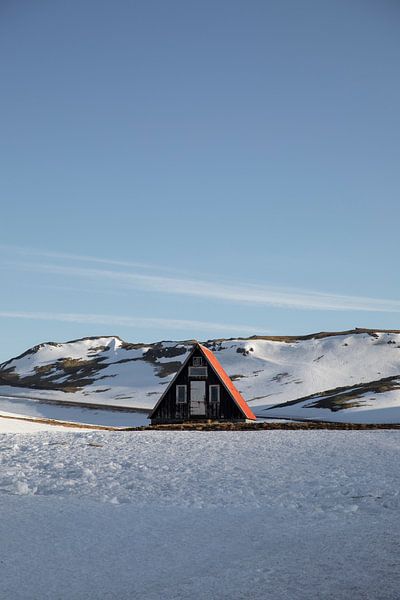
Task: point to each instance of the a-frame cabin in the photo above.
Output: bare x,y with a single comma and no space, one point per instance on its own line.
200,391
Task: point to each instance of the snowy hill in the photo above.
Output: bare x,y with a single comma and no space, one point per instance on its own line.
343,376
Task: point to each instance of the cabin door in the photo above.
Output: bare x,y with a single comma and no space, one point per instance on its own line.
198,398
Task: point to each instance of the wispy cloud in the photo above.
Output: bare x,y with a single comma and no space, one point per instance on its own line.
125,321
29,252
143,277
238,292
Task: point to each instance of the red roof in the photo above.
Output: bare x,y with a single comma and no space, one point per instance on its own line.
236,395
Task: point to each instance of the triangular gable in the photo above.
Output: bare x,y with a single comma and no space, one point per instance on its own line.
212,360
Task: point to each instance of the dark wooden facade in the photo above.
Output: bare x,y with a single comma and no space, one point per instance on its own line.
203,394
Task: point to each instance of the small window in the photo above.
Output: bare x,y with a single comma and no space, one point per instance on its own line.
198,372
197,361
214,393
181,394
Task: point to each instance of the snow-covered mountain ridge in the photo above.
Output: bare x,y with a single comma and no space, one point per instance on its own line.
337,376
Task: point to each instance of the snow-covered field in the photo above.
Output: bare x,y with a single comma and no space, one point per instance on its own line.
15,425
182,515
358,370
72,414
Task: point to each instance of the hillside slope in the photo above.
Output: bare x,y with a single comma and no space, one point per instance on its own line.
343,376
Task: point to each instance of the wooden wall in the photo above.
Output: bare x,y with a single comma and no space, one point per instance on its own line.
171,412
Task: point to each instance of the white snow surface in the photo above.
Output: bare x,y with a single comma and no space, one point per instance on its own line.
374,408
37,409
182,515
12,425
267,372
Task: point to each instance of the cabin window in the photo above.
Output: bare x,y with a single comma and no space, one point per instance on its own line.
181,394
197,371
197,361
214,393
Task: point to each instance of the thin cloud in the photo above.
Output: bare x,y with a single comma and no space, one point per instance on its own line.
124,321
238,292
23,251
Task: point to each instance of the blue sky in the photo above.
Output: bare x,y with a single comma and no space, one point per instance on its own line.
187,169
